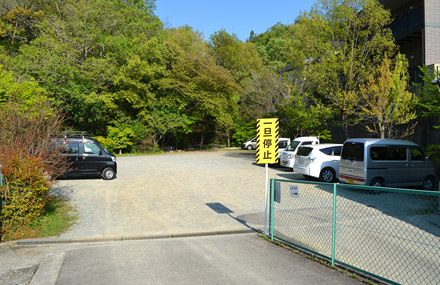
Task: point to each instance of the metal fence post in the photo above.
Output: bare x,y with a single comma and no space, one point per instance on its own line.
334,224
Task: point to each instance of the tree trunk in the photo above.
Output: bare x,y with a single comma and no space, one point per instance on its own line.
201,141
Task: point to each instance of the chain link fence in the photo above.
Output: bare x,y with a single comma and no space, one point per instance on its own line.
390,234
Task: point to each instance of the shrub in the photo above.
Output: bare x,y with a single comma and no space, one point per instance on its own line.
30,162
25,188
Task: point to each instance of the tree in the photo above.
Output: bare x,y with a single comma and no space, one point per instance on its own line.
344,40
200,89
273,46
386,102
239,58
429,103
81,47
304,115
19,23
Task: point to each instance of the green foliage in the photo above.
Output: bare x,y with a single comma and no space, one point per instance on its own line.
58,216
25,189
386,102
120,138
429,103
305,116
273,46
243,132
342,46
237,57
29,92
118,74
433,151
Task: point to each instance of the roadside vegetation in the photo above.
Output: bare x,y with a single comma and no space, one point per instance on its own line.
113,69
57,218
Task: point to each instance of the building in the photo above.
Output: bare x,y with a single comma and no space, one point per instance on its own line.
416,28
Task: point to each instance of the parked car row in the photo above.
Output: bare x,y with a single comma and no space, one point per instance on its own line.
372,162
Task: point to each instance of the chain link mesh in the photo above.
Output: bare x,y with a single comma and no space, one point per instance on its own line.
392,234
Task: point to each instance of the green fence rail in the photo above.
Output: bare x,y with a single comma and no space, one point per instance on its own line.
390,234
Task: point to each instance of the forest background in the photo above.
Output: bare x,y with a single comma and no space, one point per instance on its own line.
111,68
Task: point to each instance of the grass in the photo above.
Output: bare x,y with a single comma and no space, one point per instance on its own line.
58,217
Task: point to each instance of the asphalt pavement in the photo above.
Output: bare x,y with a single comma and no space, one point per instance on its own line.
212,239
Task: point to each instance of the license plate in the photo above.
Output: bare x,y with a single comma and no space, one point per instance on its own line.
350,180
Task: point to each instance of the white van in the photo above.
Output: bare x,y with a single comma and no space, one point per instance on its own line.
287,158
385,162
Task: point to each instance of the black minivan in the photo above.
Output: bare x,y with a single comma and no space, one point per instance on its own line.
87,156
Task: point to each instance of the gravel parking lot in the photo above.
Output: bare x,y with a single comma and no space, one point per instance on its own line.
183,192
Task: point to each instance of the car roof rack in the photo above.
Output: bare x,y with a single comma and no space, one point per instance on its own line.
73,134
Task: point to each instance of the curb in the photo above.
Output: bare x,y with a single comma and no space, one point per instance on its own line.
35,242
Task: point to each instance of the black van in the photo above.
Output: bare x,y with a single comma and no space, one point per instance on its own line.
87,156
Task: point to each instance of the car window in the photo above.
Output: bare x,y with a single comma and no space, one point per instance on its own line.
337,150
304,151
417,154
353,151
282,144
327,150
378,153
91,148
397,153
293,146
70,148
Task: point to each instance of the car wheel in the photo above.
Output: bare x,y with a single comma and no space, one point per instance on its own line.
377,182
249,147
327,175
108,173
428,183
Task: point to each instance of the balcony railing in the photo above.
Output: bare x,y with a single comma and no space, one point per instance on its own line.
408,23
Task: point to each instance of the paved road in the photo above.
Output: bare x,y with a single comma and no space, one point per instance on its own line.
173,213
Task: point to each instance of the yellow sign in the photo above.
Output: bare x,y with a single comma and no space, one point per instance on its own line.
267,140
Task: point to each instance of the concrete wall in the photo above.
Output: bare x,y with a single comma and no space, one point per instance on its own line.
432,32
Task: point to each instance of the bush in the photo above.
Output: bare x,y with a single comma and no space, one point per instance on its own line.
433,151
30,162
24,190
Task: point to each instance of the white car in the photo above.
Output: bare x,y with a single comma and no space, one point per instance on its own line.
319,161
287,158
250,144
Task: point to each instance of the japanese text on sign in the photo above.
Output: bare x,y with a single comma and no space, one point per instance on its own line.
267,140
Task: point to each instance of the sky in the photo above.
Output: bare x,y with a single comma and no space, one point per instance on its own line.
238,17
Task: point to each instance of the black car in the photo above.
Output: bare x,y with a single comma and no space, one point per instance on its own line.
87,156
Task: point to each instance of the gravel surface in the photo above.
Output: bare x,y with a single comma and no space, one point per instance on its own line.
183,192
